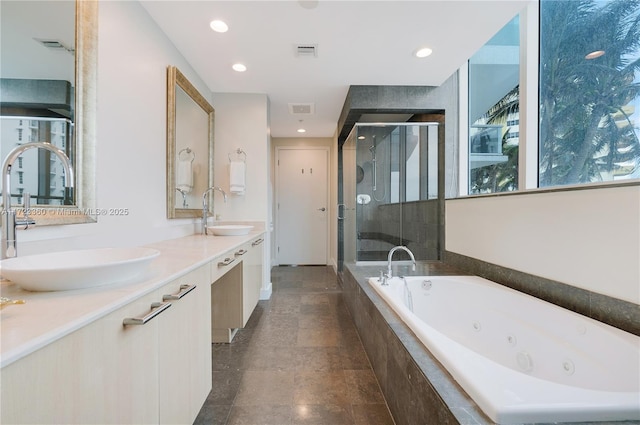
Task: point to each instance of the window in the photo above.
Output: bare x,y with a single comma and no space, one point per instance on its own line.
588,100
589,85
493,113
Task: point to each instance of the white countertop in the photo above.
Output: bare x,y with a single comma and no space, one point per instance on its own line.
48,316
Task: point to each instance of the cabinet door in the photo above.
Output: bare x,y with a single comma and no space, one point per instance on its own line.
252,278
226,301
103,373
185,347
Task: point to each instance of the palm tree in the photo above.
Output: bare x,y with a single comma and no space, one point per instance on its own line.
585,127
503,176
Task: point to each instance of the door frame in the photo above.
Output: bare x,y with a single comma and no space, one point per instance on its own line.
327,194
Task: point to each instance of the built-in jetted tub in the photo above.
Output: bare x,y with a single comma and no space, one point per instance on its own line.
519,358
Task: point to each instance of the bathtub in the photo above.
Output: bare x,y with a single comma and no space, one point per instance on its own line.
519,358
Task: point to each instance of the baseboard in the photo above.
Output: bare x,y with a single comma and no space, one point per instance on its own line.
265,293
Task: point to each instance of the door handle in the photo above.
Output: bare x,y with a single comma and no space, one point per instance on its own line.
184,290
322,209
156,308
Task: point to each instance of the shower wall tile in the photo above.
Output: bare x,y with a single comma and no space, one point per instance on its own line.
414,224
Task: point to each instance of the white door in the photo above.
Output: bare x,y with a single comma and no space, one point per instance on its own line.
302,205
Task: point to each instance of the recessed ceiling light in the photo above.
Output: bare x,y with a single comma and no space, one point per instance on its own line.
595,54
423,52
302,130
361,137
239,67
219,26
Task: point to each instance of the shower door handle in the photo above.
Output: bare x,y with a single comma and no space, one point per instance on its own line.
341,217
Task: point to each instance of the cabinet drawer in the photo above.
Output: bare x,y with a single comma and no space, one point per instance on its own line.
105,372
185,347
222,264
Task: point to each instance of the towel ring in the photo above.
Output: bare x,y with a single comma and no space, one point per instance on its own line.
186,154
239,152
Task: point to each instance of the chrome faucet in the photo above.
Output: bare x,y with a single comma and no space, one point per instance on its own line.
9,222
389,259
205,206
184,197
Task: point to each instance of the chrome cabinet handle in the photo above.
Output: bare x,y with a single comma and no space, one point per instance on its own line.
257,242
241,252
156,309
226,262
184,290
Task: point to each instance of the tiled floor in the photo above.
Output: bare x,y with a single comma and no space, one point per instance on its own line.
298,361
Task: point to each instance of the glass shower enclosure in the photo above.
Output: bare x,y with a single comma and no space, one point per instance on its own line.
391,193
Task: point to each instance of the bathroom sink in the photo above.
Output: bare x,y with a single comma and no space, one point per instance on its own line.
230,229
65,270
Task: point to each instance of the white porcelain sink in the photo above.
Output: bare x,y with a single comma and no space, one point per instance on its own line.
65,270
230,229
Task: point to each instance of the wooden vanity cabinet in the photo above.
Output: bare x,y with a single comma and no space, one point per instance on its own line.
111,373
235,293
251,277
185,347
104,372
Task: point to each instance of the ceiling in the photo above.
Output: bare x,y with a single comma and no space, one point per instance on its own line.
357,43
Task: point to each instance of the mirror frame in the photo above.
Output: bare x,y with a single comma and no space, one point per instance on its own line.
86,79
175,78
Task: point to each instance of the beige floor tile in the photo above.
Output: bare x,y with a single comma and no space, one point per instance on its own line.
318,358
318,337
362,387
322,414
264,415
320,387
265,387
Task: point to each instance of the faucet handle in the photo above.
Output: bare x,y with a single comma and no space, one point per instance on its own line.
26,221
26,202
382,279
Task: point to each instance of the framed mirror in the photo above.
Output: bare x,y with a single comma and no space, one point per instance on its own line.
49,76
190,119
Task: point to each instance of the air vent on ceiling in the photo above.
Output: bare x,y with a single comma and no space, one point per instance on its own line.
301,108
306,50
54,45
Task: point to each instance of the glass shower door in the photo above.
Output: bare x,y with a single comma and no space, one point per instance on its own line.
390,191
347,208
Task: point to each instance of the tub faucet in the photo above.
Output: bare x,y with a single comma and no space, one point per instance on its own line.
205,206
9,221
390,259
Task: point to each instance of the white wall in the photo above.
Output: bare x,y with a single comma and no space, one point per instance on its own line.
242,121
332,144
589,239
131,137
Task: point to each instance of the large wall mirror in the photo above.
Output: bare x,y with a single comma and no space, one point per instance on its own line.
189,146
48,77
